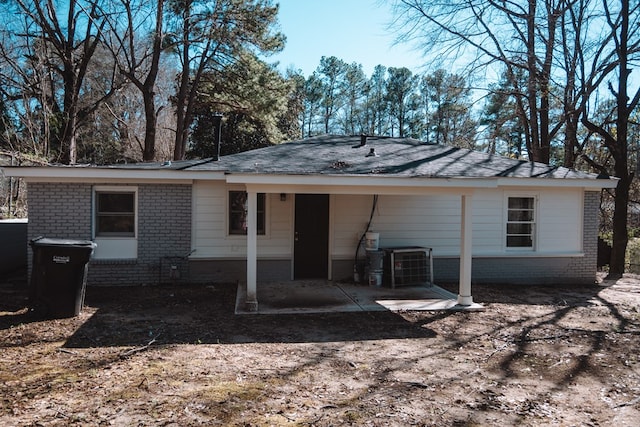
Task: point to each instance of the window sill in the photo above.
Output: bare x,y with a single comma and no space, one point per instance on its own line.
529,254
108,249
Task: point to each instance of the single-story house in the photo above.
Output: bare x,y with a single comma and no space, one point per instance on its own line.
299,209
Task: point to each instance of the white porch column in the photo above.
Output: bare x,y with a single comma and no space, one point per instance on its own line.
251,302
466,239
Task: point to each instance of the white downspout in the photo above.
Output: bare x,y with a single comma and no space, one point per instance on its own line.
251,302
466,239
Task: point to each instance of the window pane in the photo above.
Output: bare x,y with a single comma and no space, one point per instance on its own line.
115,202
520,202
120,225
523,216
518,228
238,213
261,202
519,241
520,220
115,214
237,223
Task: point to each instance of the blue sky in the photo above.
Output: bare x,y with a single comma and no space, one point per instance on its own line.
351,30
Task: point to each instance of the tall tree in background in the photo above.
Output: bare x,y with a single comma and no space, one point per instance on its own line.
138,59
331,73
313,94
504,132
611,65
26,86
292,121
71,33
401,85
450,118
520,36
353,90
209,36
574,28
252,96
378,100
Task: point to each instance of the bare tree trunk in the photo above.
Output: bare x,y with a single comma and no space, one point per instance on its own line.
620,233
183,88
73,43
70,114
616,139
147,88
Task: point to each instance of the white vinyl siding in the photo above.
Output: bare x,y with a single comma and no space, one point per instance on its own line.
488,227
430,220
210,218
349,217
434,221
559,223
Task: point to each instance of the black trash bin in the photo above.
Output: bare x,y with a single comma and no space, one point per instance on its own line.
59,276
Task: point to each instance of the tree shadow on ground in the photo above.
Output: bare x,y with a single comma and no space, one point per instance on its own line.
205,315
548,294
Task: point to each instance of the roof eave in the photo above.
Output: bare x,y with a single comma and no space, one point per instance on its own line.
360,180
590,183
84,174
426,182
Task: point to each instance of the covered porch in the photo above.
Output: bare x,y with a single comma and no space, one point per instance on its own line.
358,186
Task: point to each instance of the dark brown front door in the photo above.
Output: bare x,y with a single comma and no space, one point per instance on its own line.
311,239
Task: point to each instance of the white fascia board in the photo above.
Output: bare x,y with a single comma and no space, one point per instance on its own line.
591,184
360,185
398,190
360,181
396,185
72,174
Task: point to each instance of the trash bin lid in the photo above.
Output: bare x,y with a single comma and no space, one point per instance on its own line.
45,241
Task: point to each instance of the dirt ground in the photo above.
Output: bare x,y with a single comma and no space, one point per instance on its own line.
178,356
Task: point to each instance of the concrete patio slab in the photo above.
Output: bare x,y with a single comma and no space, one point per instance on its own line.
322,296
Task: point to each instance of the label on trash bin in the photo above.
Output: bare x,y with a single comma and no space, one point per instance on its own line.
58,259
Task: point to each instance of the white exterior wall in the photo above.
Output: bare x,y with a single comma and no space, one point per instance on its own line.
434,221
430,221
210,236
560,225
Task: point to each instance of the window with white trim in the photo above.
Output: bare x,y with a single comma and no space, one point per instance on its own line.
238,213
520,226
115,214
115,222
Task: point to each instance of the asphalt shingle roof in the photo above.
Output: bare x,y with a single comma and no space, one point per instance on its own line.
398,157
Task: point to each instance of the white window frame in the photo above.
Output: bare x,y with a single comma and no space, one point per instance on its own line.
115,247
534,222
228,215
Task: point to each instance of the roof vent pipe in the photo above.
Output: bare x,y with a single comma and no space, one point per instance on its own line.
372,153
217,123
363,140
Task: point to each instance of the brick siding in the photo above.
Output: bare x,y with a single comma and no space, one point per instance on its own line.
61,210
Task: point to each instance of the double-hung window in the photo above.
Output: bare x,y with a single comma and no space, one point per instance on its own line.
238,211
521,217
115,222
115,214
